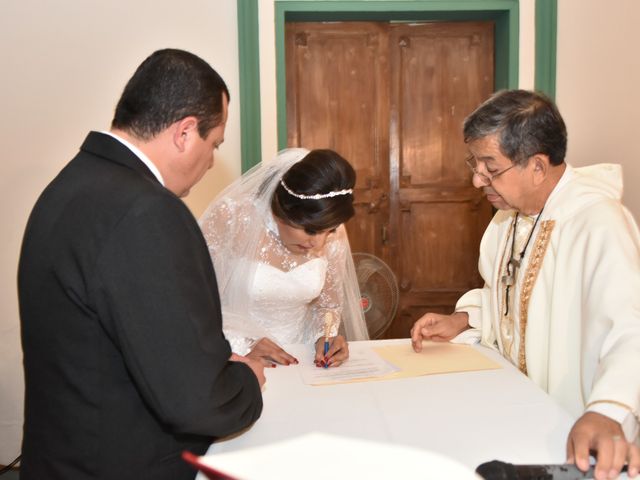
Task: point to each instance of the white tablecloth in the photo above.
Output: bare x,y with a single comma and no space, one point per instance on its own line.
472,417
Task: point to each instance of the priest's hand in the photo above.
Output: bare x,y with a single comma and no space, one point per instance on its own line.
439,328
602,436
267,351
255,366
337,354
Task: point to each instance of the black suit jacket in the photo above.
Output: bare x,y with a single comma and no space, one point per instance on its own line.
125,361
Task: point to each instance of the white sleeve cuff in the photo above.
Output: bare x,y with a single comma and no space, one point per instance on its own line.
241,345
623,416
468,337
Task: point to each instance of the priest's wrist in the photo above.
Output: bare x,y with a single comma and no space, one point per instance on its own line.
461,321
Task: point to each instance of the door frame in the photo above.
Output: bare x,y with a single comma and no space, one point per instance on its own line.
504,12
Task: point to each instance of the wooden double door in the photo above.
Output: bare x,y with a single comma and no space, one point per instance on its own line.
391,98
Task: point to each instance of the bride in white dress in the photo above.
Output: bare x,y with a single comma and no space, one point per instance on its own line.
282,257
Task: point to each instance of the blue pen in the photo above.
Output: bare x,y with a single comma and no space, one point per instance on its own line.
326,350
328,320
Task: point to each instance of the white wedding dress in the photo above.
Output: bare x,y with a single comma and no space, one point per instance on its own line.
280,300
278,294
265,289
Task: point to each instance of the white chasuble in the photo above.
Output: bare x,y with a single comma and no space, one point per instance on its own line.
577,321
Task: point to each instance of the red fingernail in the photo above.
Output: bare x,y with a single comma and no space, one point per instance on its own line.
273,365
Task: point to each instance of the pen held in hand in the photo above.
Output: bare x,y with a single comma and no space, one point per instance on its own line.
326,350
328,321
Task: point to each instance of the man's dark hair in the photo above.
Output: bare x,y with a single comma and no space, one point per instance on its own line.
320,171
526,122
167,87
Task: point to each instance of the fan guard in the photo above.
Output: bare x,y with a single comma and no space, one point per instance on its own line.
379,292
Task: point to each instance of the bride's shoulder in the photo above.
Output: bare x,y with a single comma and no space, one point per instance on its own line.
337,241
226,207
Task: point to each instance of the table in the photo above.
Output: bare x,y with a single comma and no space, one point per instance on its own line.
472,417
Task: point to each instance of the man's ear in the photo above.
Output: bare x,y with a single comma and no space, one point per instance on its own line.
540,167
183,132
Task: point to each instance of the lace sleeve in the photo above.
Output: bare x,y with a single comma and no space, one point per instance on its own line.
222,227
340,294
219,229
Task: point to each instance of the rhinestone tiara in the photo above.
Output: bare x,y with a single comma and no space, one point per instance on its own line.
317,196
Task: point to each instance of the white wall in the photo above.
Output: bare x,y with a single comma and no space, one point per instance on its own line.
64,65
527,53
598,86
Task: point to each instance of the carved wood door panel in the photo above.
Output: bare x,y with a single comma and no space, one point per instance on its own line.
391,99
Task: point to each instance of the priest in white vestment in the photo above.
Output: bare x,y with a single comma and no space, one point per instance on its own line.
561,265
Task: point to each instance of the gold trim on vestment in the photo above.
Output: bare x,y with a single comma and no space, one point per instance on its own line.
533,268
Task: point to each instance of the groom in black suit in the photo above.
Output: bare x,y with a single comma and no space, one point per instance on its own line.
125,362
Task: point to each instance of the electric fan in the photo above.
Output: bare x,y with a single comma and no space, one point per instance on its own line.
378,290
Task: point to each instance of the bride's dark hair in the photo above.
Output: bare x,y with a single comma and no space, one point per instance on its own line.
320,171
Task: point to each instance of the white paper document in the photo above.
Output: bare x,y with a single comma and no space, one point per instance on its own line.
362,363
302,457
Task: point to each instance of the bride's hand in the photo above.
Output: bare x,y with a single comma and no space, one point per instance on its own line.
268,352
337,354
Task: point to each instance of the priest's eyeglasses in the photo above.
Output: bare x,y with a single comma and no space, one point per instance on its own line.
485,178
